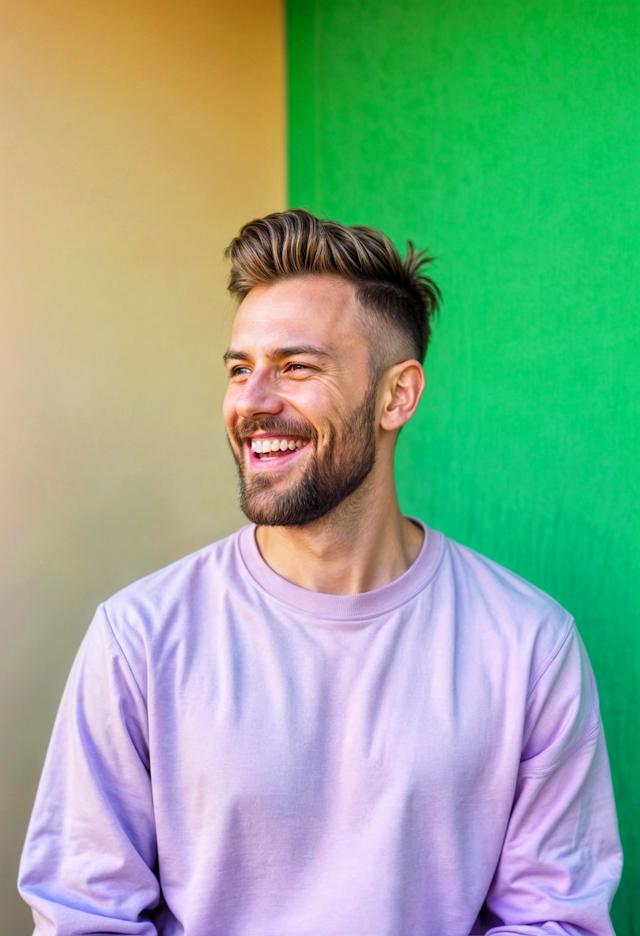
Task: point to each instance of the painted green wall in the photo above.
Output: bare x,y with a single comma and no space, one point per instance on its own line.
506,136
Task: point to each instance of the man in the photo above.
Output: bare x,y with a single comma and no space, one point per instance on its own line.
336,722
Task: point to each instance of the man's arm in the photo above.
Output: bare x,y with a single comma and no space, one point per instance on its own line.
561,859
87,865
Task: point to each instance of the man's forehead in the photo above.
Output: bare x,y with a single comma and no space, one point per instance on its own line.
315,311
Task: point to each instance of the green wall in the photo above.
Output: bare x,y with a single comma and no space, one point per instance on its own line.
506,137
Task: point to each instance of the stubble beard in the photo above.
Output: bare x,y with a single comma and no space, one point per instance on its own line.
329,479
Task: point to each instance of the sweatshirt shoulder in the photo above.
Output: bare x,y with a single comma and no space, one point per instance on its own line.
513,606
176,593
174,579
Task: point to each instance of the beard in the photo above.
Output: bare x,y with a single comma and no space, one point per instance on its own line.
330,478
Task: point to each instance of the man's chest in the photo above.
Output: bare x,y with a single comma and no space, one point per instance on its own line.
270,719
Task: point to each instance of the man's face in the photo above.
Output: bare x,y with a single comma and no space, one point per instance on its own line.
300,407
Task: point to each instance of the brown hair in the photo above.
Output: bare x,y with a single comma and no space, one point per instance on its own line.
296,243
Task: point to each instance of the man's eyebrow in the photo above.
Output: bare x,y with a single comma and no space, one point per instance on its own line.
233,355
237,355
301,349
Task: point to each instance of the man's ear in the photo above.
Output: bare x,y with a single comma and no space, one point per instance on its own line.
403,386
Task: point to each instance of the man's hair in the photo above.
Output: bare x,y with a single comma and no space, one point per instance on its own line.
296,243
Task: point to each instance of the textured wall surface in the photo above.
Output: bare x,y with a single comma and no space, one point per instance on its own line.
506,136
136,138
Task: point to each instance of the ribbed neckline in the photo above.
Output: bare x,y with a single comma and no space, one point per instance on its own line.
344,609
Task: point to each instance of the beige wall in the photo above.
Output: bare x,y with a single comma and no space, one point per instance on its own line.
137,137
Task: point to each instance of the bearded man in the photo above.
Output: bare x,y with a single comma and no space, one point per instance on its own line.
337,721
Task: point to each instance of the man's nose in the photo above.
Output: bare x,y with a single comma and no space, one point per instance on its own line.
258,397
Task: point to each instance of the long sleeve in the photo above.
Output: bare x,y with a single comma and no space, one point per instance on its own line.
561,859
230,761
88,861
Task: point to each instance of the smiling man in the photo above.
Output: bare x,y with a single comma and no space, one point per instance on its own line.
337,721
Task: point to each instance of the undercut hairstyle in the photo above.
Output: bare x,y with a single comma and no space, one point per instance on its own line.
392,292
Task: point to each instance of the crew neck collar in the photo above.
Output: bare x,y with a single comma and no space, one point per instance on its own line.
344,609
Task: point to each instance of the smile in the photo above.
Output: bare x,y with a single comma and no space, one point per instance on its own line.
275,447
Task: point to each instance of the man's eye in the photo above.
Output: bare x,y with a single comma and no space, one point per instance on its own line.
239,370
296,367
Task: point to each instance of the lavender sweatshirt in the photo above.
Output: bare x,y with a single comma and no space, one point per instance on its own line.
238,756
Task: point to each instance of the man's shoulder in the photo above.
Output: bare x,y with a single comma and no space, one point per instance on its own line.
505,601
476,570
177,590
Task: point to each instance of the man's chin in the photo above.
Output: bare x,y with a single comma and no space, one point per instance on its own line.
273,508
260,500
264,486
263,515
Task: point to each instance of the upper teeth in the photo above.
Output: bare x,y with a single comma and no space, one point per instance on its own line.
276,445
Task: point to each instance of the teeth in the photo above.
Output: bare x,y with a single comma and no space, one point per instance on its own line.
265,446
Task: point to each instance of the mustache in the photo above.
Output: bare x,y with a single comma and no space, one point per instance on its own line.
290,427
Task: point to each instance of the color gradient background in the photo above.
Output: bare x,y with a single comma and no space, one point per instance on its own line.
137,137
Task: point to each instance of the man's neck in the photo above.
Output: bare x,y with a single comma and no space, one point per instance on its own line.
358,547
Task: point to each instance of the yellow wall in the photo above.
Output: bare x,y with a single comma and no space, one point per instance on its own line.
137,137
